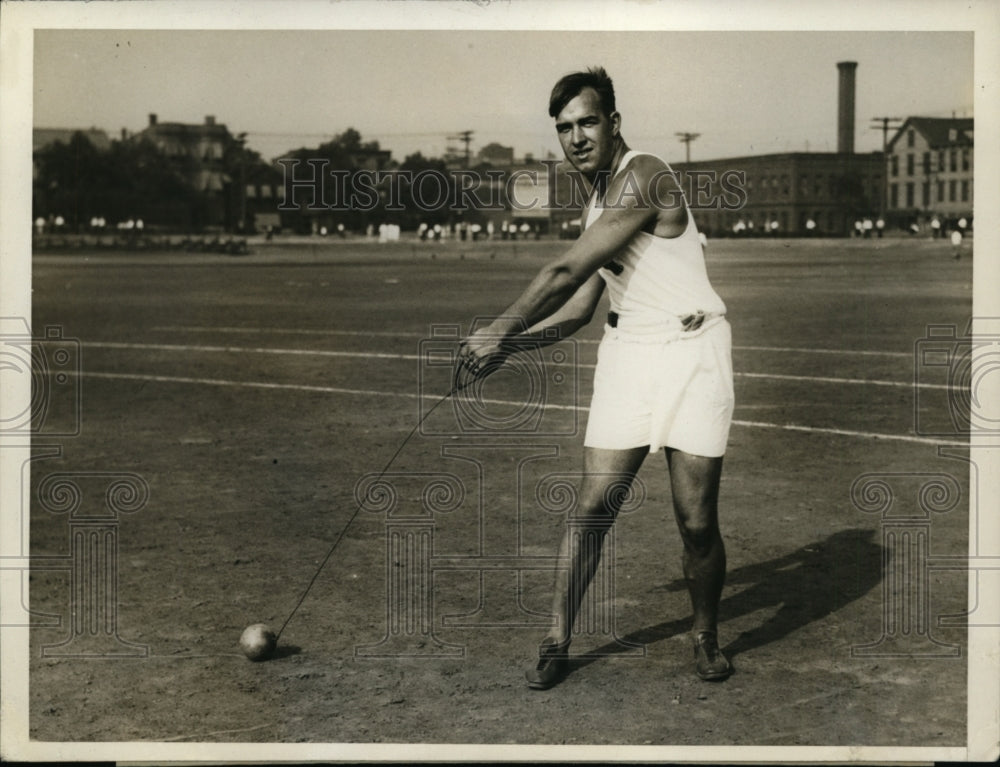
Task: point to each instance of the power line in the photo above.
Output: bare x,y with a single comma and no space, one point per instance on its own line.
298,134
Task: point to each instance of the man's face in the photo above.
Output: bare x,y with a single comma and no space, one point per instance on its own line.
587,135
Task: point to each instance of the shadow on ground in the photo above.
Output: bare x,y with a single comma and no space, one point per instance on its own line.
805,585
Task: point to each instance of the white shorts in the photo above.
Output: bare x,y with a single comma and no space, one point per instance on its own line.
674,391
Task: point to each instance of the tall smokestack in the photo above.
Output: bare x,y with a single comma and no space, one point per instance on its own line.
845,107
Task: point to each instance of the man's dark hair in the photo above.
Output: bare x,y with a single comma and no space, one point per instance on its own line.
569,87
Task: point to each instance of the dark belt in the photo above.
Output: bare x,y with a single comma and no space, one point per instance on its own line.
691,322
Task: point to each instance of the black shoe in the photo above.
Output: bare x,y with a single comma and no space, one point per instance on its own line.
553,661
710,664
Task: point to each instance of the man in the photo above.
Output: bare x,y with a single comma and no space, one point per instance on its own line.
664,372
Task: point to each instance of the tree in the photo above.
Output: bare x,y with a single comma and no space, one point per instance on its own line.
129,180
68,179
341,169
427,199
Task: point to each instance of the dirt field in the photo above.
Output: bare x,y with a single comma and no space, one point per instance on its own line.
251,394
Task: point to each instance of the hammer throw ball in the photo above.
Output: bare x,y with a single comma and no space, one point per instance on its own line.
258,642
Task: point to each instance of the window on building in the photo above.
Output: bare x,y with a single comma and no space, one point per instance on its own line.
951,190
785,188
925,194
940,191
965,191
953,160
909,137
927,163
893,195
940,166
965,159
909,165
909,195
894,165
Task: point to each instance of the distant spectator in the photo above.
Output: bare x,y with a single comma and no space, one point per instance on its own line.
956,244
879,227
935,227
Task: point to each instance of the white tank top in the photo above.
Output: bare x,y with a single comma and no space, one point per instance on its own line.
654,281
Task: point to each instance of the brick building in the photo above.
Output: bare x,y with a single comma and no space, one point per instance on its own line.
781,193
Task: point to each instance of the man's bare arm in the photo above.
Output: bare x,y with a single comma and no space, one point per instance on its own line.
633,204
632,207
569,318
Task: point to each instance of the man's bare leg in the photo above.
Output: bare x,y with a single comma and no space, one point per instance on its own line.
608,475
694,481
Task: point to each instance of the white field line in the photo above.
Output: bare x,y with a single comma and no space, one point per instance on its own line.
384,356
389,334
435,397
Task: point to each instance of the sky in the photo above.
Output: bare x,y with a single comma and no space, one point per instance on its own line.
743,92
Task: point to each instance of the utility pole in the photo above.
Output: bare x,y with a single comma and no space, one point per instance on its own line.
466,138
885,157
686,139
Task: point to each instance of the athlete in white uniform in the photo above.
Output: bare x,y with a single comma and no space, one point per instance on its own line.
664,377
664,373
